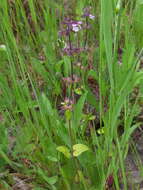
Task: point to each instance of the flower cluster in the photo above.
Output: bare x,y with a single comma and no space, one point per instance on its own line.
67,104
71,46
70,25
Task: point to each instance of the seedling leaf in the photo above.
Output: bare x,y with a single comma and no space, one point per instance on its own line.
64,150
79,149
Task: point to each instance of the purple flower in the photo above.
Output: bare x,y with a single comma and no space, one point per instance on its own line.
92,17
70,26
67,104
87,13
70,22
76,26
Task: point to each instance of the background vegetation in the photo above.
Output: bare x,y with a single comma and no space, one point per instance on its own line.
70,92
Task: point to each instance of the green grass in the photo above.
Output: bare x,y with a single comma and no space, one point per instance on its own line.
33,71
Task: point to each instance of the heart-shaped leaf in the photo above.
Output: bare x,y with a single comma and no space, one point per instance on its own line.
64,150
79,149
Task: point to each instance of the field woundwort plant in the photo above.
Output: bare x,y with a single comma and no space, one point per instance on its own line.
71,93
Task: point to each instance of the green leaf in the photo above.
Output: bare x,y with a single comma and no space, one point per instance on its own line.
4,156
52,180
78,110
127,135
106,21
91,99
79,149
78,91
29,148
64,150
68,114
101,131
140,2
47,105
92,117
53,159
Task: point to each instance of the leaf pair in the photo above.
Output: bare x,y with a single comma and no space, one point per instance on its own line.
77,150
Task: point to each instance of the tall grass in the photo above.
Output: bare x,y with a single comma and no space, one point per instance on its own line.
51,145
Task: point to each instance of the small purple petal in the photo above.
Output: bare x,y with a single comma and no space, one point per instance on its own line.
79,22
92,17
87,13
76,27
